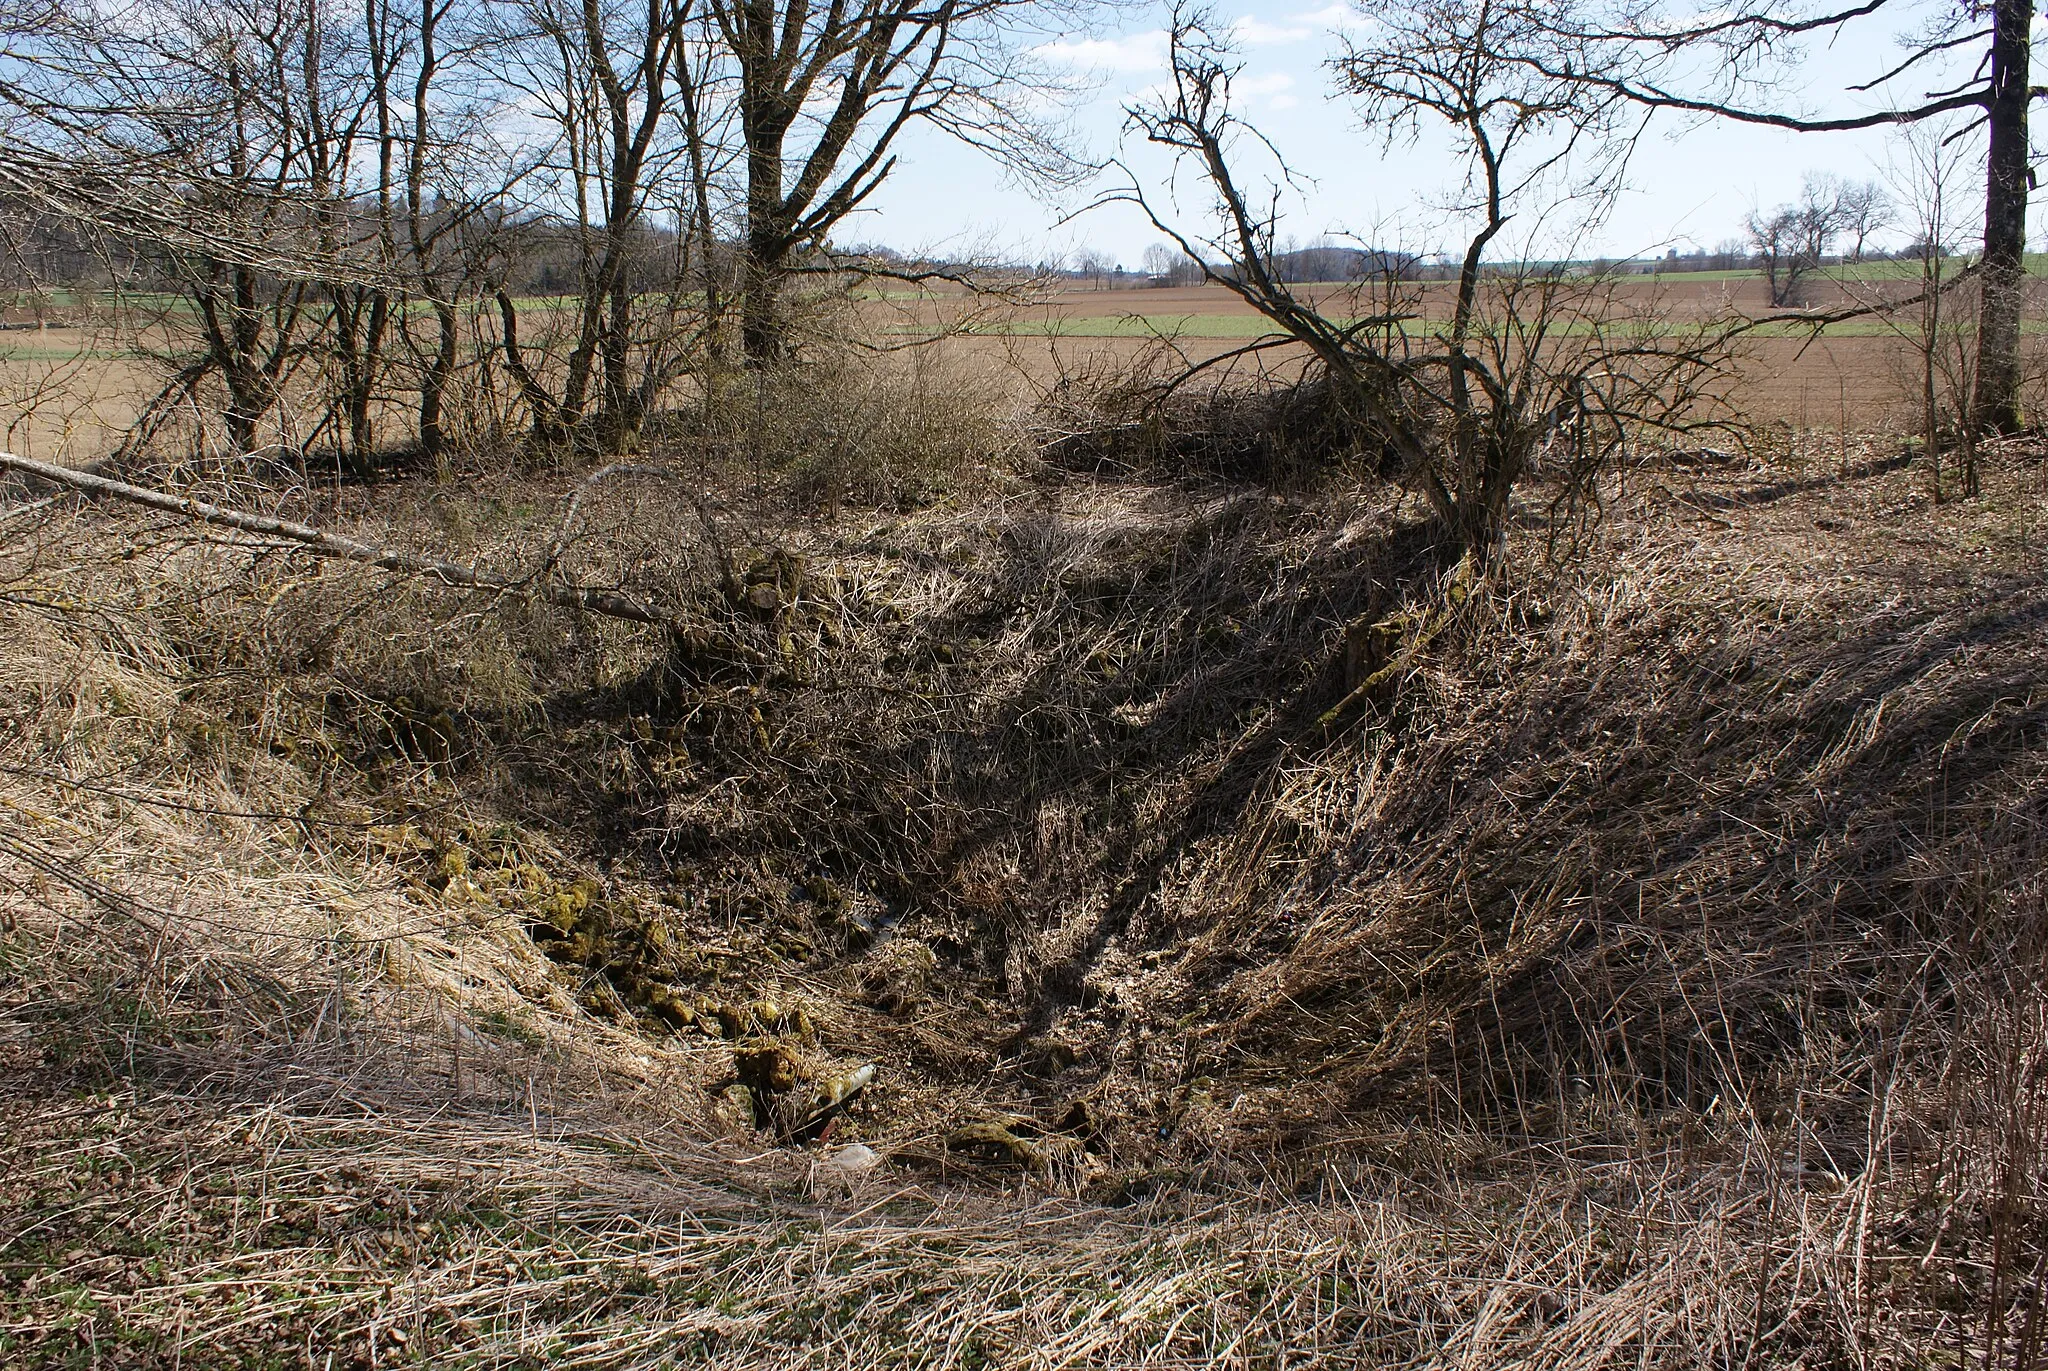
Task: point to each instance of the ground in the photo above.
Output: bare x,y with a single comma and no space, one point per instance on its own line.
377,955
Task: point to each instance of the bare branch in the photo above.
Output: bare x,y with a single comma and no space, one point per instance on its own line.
609,603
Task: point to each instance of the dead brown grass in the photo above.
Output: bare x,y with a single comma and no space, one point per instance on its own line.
1655,976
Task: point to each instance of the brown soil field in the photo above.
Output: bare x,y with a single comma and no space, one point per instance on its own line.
1860,377
68,393
63,403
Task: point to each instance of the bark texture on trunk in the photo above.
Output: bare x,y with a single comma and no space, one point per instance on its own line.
767,244
1996,406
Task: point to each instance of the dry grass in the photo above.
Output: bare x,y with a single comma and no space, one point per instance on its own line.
1655,977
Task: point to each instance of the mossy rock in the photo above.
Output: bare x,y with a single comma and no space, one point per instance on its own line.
828,895
672,1007
1046,1056
762,1018
766,1065
988,1140
773,583
392,839
734,1107
452,864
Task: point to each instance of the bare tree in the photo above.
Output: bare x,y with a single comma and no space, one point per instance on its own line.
1166,266
1930,177
1094,266
432,173
823,93
298,171
262,101
1793,242
436,109
1778,247
113,123
307,173
600,73
1863,209
1529,366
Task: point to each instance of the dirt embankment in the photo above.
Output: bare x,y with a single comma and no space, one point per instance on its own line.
1270,942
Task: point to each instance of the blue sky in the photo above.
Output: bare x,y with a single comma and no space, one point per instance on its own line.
1693,183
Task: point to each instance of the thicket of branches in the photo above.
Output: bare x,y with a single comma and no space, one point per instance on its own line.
531,217
1518,368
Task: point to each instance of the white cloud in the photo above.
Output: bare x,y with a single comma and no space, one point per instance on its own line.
1132,52
1339,16
1254,31
1265,83
1282,102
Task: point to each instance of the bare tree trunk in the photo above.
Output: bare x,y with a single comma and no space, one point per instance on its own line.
767,249
550,421
697,136
236,343
425,232
365,311
1996,408
434,381
361,318
856,72
1930,284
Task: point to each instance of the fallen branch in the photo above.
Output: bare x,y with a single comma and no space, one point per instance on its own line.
605,602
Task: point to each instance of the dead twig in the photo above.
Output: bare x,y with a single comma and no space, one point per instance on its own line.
597,601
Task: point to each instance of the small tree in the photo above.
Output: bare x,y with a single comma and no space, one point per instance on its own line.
1933,185
1865,210
1776,246
1793,241
1531,366
1166,267
1094,266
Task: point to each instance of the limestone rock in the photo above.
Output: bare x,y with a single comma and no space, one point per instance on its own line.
846,1166
993,1141
831,1098
733,1108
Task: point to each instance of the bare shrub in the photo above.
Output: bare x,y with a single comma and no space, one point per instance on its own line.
1228,428
873,428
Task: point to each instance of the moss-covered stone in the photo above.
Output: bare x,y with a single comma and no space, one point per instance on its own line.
988,1140
765,1065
